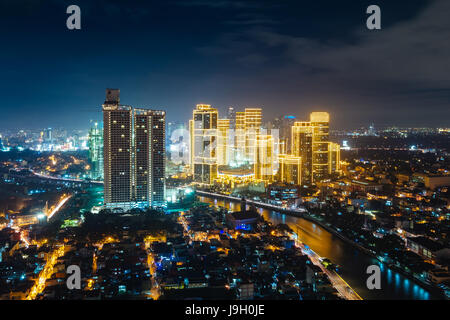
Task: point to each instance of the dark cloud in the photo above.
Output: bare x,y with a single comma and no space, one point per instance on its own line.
289,57
404,66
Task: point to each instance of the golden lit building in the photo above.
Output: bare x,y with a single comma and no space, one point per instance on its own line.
239,138
223,143
290,169
253,119
334,157
310,141
320,124
264,158
301,146
203,144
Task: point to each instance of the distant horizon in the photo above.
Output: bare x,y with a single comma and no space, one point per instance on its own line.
287,57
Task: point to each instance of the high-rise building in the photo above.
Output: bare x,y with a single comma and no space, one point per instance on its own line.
310,141
231,115
134,154
223,142
253,119
95,142
149,154
48,136
117,151
301,146
334,157
203,130
285,130
239,138
264,157
290,169
320,123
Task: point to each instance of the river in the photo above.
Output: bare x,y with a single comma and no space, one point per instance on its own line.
353,262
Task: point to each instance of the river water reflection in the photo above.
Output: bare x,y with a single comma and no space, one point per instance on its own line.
353,262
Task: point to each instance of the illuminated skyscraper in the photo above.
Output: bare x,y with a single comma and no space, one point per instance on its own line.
134,154
203,147
285,130
95,142
264,158
253,119
320,122
117,151
302,147
334,157
149,156
290,169
310,141
239,136
232,117
223,143
48,136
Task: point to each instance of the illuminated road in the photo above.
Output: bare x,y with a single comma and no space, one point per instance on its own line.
23,237
46,273
45,176
339,284
155,292
58,206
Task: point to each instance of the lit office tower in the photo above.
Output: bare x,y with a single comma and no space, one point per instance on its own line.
203,148
301,146
264,158
223,144
320,122
149,156
334,157
290,169
253,119
95,142
310,141
285,130
232,117
239,134
134,153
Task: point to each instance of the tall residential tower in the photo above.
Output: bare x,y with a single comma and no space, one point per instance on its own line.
134,154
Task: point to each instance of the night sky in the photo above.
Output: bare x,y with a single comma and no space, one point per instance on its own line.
288,57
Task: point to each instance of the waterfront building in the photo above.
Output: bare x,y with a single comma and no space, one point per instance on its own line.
290,169
310,141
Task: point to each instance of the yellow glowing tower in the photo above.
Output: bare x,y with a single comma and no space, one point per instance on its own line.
204,143
320,123
290,169
264,158
253,119
223,145
310,141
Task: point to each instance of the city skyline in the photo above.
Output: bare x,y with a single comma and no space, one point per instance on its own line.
288,58
242,152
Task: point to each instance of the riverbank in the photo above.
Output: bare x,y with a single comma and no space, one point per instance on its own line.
370,253
344,252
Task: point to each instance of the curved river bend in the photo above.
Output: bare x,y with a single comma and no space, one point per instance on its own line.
394,286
